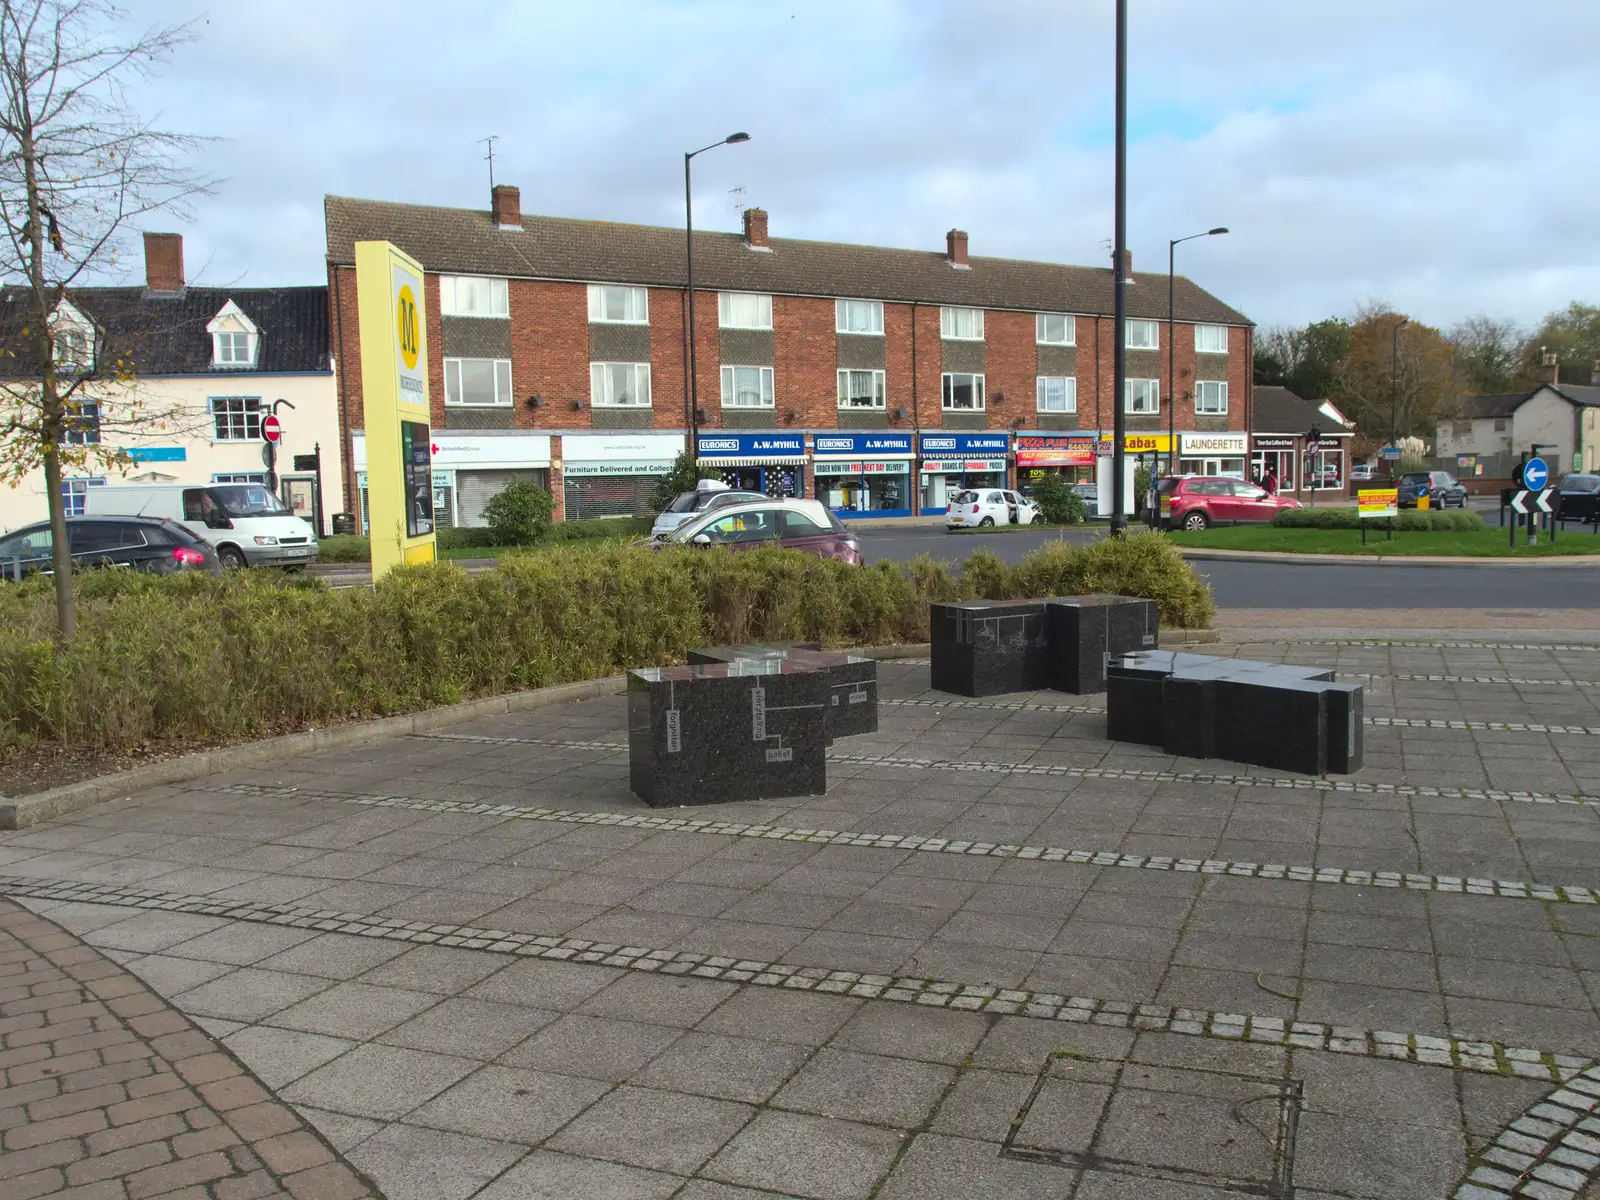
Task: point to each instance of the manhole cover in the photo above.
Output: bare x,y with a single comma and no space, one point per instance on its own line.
1213,1129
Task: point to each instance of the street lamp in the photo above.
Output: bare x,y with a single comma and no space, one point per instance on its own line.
1172,375
688,224
1119,280
1394,380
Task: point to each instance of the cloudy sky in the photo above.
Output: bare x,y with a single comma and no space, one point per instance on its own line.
1437,154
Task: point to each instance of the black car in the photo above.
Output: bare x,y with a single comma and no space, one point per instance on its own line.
150,544
1440,487
1579,497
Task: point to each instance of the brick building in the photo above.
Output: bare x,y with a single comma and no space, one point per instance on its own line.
879,380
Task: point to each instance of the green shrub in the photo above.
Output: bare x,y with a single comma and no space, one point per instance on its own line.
1058,503
1138,564
344,548
519,513
1409,521
599,527
463,537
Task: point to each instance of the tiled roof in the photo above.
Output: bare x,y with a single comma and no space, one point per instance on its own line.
1583,394
466,241
1278,410
166,335
1498,404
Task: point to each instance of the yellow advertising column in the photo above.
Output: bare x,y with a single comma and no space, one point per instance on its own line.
394,386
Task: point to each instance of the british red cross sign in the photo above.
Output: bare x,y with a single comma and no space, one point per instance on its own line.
271,428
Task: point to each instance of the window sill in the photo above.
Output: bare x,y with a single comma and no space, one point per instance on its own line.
612,407
945,337
593,321
479,316
751,407
1056,412
1141,347
1058,345
1223,352
861,408
473,404
964,410
748,328
859,332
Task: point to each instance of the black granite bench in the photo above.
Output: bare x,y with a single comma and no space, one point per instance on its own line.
1275,715
991,647
713,733
852,679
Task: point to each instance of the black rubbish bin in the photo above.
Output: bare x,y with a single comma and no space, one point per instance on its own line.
344,523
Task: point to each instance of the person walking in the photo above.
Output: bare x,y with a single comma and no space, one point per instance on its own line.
1270,482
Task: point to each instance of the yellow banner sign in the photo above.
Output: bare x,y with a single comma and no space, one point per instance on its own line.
1378,502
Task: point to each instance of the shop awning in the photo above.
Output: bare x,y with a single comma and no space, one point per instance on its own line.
713,460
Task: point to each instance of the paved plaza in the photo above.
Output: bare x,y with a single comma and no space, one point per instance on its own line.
1002,957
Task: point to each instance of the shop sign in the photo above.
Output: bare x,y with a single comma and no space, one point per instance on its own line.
964,443
508,451
152,454
1055,451
578,470
862,443
1272,442
839,467
620,448
1141,443
751,445
442,479
954,466
1213,443
1378,502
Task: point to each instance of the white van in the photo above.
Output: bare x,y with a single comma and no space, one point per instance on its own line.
247,524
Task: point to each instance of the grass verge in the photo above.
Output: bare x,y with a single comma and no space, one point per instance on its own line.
1489,542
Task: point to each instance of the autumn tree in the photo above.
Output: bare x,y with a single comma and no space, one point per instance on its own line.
78,167
1572,334
1398,396
1306,359
1489,353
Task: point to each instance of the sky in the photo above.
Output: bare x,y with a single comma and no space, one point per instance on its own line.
1436,155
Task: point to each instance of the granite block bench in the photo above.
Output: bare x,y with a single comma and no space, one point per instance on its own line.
852,679
992,647
712,733
1275,715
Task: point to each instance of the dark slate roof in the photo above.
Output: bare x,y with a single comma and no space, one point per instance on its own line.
465,240
1498,404
1278,410
1586,395
166,335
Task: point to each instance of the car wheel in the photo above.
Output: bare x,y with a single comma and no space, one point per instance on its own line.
1196,521
987,521
232,558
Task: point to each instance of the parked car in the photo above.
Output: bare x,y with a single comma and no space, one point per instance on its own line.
989,506
806,525
246,522
1362,472
708,493
1579,497
1323,477
1194,502
1441,488
1090,494
157,547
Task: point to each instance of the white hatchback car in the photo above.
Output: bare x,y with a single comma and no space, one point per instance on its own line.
989,506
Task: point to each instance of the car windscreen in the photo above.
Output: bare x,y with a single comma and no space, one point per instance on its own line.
248,500
1165,487
1414,477
1581,484
684,503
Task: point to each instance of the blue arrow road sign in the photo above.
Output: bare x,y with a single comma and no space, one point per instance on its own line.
1535,474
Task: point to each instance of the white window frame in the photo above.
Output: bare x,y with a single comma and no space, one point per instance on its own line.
73,348
1070,329
879,388
725,314
1153,328
602,394
637,305
1069,393
1150,388
874,311
945,391
1216,404
230,322
950,320
249,408
502,383
497,293
1216,335
767,387
239,477
226,347
75,492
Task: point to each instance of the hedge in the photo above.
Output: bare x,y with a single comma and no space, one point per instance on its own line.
200,657
1409,520
355,548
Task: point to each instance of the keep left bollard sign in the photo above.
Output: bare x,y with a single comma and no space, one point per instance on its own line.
394,383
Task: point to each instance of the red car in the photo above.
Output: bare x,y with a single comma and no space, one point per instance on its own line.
1196,501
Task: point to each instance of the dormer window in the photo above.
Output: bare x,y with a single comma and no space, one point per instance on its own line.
73,338
235,339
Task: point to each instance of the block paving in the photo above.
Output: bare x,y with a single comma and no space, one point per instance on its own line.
1000,957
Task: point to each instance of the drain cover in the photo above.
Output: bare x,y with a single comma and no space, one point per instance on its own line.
1209,1129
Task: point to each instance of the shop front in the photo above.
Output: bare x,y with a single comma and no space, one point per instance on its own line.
1272,456
953,462
864,474
1213,454
614,475
772,463
469,470
1069,456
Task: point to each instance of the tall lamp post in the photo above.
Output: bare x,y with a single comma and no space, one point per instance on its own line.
688,250
1119,282
1172,314
1394,380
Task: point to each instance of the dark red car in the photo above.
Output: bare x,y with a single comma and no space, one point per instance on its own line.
1197,501
806,525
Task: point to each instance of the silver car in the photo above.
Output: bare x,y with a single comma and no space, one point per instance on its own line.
691,504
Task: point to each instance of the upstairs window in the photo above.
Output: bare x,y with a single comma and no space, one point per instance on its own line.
232,350
235,338
744,310
1055,329
963,392
747,387
1211,396
619,385
236,418
1211,339
1143,395
83,423
1056,393
615,304
72,349
961,324
861,389
1144,335
473,296
470,381
858,316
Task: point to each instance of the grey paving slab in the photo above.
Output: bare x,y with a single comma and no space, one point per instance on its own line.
814,1157
411,1163
547,1176
656,1130
379,1082
510,1105
594,1047
468,1028
866,1087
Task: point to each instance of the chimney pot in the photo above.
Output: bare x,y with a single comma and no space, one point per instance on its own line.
505,206
1549,369
163,263
955,248
755,228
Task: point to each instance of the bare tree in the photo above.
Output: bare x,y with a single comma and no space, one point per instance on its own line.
1488,353
77,167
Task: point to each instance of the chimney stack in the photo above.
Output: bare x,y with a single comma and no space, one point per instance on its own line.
505,206
755,228
955,249
1549,368
1127,264
163,263
1594,375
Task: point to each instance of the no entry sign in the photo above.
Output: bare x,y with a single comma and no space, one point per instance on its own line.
271,428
